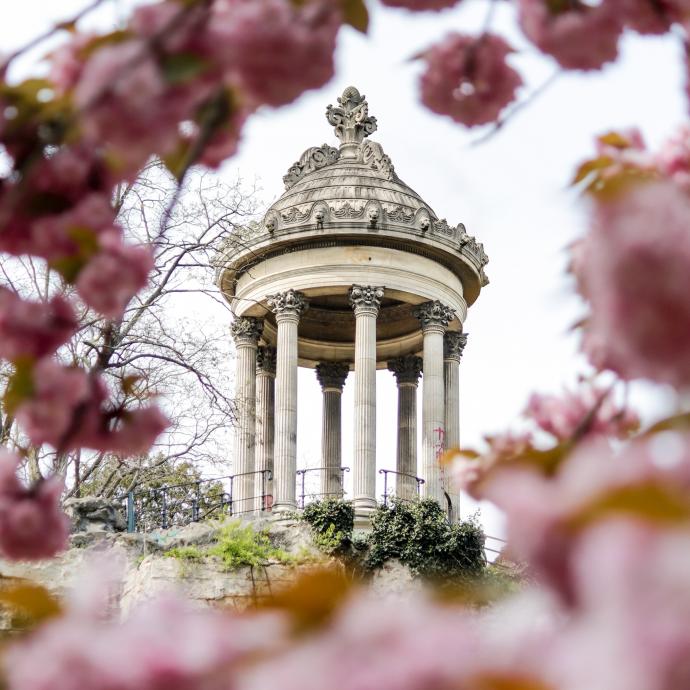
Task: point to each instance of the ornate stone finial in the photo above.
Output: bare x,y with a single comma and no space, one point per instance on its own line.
366,298
351,120
246,330
453,345
288,303
266,360
434,314
406,369
312,159
332,374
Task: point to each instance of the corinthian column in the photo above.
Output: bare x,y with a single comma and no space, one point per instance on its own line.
245,332
453,345
331,376
366,302
434,318
407,371
287,306
265,408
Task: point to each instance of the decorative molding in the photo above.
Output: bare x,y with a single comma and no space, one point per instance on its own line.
288,303
295,215
246,330
312,159
266,360
332,374
453,345
434,315
406,369
372,154
366,298
351,118
399,214
347,210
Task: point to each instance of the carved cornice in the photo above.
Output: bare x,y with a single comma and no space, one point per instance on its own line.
266,360
246,330
453,345
288,303
351,118
406,369
434,315
366,298
332,374
312,159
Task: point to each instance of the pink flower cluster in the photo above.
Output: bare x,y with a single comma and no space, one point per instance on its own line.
31,523
469,79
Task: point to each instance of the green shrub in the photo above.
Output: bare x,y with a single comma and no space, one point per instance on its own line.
238,546
331,522
185,553
418,534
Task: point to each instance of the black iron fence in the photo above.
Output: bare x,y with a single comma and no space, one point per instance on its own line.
180,504
312,496
389,490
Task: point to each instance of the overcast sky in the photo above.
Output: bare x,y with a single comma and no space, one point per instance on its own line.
511,192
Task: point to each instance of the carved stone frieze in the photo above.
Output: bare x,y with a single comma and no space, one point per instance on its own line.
441,227
266,359
332,374
371,153
453,345
398,214
347,210
312,159
366,298
406,369
295,215
351,118
288,303
246,330
434,314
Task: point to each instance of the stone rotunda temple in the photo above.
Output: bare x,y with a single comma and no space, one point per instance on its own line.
350,270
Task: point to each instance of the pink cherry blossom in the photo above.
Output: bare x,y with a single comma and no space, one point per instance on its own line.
589,410
637,259
273,49
136,433
467,78
420,5
673,159
67,61
653,16
165,645
32,526
33,329
577,35
113,276
46,416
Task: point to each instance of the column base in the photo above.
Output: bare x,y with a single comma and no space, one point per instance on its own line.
364,509
280,509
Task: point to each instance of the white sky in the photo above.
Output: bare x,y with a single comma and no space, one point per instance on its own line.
511,192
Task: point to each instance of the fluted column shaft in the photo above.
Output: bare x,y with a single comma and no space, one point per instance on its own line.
366,302
265,424
331,376
453,345
434,318
407,371
287,307
245,332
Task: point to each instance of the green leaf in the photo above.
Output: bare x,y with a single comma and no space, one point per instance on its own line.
355,14
87,245
180,68
679,422
20,385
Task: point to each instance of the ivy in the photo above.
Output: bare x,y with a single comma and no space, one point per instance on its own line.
331,522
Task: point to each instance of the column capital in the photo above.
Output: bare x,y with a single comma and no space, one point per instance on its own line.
246,330
453,345
332,374
406,369
434,315
288,304
266,360
366,299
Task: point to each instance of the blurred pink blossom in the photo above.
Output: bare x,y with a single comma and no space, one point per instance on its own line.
113,276
273,49
578,35
673,159
653,16
633,269
468,78
420,5
135,434
32,526
33,329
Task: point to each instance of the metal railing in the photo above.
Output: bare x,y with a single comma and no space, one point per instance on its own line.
301,481
493,547
389,494
166,506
